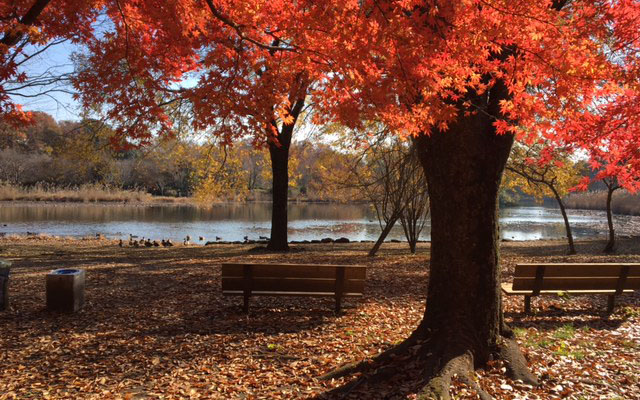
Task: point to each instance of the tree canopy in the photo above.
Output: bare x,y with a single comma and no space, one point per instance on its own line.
571,67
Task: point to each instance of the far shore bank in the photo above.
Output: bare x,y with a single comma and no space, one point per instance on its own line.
96,193
622,203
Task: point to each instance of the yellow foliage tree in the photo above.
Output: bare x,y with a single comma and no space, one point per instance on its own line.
548,174
219,174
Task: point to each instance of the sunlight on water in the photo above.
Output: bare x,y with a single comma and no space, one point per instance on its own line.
235,221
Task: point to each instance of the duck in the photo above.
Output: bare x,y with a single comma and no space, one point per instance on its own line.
120,243
148,243
201,238
246,238
264,238
218,238
136,244
156,244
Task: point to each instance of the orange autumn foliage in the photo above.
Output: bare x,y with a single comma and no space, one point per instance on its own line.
572,74
566,65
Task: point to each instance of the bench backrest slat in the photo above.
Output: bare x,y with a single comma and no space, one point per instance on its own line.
293,278
569,270
294,271
577,277
576,283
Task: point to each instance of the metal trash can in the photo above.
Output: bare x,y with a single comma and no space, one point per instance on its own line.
65,290
5,267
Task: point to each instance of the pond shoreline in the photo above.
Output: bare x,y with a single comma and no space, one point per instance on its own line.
237,223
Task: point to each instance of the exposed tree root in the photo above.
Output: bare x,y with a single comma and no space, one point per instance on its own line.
368,365
436,363
516,363
437,388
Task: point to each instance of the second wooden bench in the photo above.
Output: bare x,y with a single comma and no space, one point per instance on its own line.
251,279
589,278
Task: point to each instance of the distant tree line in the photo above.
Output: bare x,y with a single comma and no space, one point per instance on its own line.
74,153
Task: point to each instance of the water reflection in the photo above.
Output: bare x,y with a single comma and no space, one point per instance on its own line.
234,221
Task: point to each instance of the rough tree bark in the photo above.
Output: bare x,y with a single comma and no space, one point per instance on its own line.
462,327
279,152
463,166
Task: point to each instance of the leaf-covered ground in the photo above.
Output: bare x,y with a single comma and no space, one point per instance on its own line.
155,325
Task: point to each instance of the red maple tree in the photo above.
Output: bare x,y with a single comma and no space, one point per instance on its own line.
28,28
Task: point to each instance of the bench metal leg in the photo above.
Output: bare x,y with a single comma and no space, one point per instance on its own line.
527,304
611,303
245,306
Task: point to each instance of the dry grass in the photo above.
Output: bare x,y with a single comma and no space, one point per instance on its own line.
155,324
622,203
82,194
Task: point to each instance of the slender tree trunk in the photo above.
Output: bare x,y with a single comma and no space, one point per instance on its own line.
611,244
280,188
382,237
409,221
279,152
567,227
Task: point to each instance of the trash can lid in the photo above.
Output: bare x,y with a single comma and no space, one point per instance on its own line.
65,271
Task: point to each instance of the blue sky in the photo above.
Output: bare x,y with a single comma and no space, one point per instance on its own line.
54,60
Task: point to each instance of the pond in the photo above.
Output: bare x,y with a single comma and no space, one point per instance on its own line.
234,221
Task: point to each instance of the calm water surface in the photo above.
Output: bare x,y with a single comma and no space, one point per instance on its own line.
234,221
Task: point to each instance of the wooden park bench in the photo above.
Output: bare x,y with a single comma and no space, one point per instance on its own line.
573,278
336,281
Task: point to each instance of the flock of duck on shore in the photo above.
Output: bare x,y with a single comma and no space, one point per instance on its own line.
134,241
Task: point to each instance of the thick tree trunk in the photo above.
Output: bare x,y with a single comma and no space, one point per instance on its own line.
567,227
611,244
462,327
464,168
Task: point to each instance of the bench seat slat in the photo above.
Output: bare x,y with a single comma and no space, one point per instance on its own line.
507,288
575,283
577,269
281,293
294,270
292,284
